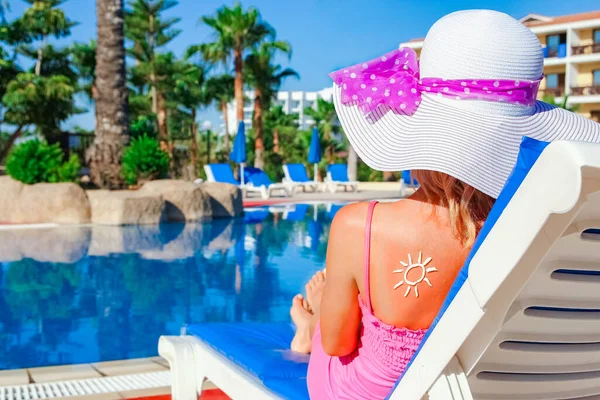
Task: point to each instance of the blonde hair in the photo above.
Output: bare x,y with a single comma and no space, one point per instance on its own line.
467,207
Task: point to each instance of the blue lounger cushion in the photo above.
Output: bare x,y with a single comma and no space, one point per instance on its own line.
263,349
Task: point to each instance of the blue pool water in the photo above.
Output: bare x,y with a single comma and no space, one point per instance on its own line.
98,293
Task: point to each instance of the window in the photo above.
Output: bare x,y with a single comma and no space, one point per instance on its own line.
555,81
596,35
556,45
596,74
552,81
553,41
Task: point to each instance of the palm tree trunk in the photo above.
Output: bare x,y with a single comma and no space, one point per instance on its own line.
276,141
352,163
163,129
112,107
11,140
257,124
38,64
194,140
388,176
226,122
238,84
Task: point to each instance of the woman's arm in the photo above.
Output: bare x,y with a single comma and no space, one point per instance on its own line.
340,312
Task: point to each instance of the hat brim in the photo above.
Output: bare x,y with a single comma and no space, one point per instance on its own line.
480,150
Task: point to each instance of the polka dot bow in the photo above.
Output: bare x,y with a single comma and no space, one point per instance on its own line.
393,80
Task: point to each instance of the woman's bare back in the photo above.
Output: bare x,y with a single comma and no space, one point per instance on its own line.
414,260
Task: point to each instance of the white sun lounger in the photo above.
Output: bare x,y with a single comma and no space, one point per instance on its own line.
522,320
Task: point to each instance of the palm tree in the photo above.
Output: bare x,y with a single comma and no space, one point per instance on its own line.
112,114
42,19
278,122
220,89
236,31
189,93
149,31
266,79
326,120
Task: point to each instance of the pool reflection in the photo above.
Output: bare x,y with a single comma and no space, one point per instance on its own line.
86,294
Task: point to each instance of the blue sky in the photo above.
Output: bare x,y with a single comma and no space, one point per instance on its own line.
325,34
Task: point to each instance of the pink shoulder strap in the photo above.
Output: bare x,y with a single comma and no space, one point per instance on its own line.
368,255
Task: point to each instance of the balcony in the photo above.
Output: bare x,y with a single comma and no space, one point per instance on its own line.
585,91
587,49
556,52
554,92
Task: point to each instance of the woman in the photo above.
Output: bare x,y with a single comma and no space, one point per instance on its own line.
457,120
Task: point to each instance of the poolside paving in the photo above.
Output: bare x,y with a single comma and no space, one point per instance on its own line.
14,377
126,367
96,370
63,373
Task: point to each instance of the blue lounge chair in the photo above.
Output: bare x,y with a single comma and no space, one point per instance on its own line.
257,178
519,322
223,173
337,175
296,174
407,180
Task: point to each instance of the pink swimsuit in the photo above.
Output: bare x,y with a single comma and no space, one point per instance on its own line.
371,371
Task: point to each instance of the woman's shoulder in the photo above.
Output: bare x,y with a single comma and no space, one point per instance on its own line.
351,218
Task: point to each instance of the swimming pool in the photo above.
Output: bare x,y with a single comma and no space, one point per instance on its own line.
98,293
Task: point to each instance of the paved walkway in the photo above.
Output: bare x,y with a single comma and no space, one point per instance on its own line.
55,374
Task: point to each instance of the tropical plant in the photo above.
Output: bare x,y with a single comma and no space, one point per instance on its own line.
56,61
148,30
326,120
4,6
42,19
220,89
189,93
112,115
35,161
235,32
144,160
277,124
266,78
143,125
550,99
84,59
41,101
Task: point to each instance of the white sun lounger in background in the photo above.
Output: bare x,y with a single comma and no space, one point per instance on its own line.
522,320
296,174
337,175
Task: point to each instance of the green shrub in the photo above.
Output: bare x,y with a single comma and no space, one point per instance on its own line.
35,161
144,160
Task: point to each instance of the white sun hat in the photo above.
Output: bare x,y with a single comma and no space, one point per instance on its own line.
474,139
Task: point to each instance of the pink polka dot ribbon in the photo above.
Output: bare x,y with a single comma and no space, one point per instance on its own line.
393,80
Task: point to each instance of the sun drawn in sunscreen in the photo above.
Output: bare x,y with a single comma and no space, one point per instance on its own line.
420,271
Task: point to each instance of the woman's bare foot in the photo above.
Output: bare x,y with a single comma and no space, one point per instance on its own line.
314,291
302,342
